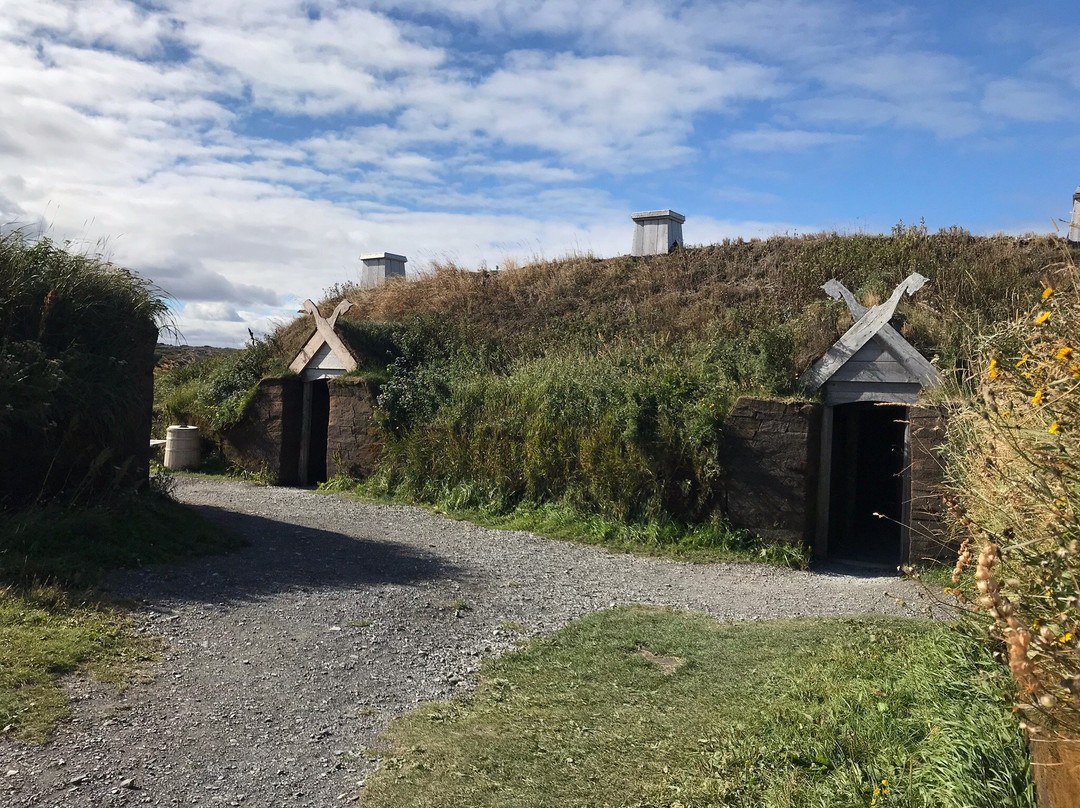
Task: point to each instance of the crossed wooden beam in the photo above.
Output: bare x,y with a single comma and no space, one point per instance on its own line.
869,323
324,333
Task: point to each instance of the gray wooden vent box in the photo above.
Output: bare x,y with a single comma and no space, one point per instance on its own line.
1074,227
378,267
656,232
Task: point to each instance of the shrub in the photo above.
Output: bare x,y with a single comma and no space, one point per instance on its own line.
1015,465
212,393
76,337
630,433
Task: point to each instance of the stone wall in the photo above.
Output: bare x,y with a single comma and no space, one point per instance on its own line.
267,439
352,444
929,538
771,466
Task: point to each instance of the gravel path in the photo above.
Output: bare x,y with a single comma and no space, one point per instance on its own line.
286,660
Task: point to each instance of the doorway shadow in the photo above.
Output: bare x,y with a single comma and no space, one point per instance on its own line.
836,568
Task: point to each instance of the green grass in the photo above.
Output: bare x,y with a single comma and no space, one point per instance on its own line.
52,621
43,637
648,707
75,547
709,542
662,537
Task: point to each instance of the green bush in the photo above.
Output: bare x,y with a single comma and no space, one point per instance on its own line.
74,333
212,393
631,433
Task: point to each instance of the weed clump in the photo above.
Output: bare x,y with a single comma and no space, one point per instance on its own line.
1015,465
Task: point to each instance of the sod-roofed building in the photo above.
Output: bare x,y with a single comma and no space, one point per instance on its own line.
315,422
854,475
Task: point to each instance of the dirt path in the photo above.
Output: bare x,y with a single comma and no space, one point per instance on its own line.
286,660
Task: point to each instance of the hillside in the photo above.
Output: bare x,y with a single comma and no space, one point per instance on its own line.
723,289
595,391
170,357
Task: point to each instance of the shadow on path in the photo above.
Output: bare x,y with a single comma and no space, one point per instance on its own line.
854,569
282,557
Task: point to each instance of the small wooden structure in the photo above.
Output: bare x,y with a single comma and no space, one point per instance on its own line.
378,267
323,357
870,381
657,232
1074,225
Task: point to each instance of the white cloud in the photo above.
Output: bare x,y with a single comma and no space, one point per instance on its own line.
1027,100
304,58
603,111
244,154
212,311
767,139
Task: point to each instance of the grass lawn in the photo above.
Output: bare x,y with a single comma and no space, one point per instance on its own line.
53,623
44,635
648,707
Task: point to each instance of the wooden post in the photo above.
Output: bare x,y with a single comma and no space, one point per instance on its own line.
305,436
905,503
821,534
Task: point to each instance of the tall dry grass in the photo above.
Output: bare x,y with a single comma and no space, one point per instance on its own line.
725,288
1015,467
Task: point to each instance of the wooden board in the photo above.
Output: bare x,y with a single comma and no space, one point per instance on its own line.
887,393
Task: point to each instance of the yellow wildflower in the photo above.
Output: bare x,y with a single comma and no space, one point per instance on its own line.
1042,318
1064,352
992,369
884,782
1038,397
877,791
1054,428
1047,292
1023,359
1064,638
873,801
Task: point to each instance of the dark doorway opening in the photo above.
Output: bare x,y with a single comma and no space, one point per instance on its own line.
318,425
866,502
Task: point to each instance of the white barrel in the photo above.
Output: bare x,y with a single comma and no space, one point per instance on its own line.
181,447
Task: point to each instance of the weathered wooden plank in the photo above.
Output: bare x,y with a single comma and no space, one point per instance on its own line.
905,353
306,353
855,339
844,348
888,393
657,232
305,436
821,534
878,372
323,364
871,351
865,328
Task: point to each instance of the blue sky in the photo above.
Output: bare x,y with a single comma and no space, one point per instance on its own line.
243,154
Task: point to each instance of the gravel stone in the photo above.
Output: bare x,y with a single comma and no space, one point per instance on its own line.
286,660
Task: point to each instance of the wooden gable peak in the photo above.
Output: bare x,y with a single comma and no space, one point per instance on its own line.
873,324
324,346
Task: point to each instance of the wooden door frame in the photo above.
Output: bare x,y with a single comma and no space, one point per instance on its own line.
820,548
